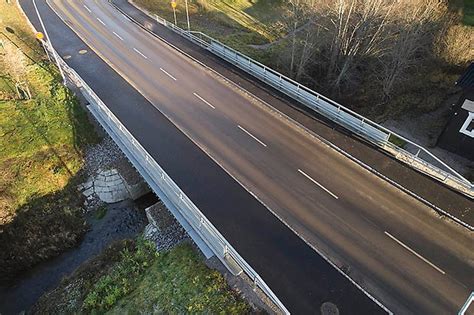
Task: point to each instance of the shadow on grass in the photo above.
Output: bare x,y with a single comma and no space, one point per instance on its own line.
42,228
82,130
81,281
55,132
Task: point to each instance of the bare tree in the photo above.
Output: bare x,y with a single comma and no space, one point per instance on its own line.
413,33
307,51
369,48
357,32
297,17
15,65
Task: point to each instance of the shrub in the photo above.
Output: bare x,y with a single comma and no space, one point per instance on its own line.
123,277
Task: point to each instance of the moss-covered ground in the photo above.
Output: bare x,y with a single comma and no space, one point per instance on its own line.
42,140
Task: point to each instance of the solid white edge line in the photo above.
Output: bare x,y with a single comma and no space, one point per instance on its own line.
102,22
140,53
415,253
217,162
87,8
251,135
314,135
166,72
117,35
206,102
319,185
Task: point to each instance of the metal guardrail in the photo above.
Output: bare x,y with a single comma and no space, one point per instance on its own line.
407,151
164,185
467,304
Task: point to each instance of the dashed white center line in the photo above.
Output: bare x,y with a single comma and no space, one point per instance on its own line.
415,253
319,185
87,8
165,72
102,22
251,135
206,102
118,36
140,53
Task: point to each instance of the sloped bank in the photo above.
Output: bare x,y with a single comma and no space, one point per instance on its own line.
161,272
103,224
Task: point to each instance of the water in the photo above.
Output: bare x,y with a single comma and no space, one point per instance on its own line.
123,220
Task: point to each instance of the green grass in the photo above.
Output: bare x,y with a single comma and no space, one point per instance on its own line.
68,296
468,17
179,283
100,212
237,23
130,277
41,141
41,145
122,279
397,141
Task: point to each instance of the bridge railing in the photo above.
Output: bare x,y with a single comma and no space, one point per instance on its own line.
396,145
165,187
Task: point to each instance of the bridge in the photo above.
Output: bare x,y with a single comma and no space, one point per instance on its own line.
252,185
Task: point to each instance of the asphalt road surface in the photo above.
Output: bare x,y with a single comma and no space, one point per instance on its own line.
393,245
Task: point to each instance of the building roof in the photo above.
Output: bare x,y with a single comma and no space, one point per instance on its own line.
468,105
467,78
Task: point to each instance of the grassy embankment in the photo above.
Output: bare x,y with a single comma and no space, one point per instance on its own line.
468,17
236,23
130,277
41,144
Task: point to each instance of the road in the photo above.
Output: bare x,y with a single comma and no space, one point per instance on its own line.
391,244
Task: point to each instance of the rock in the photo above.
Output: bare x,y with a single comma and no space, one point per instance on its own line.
163,229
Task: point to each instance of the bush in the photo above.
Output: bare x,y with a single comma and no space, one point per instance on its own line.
455,45
123,277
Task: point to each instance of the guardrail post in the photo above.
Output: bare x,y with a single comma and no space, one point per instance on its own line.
205,229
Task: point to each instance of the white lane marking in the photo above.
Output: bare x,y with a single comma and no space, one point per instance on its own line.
414,253
206,102
118,35
100,21
140,53
87,8
251,135
319,185
165,72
